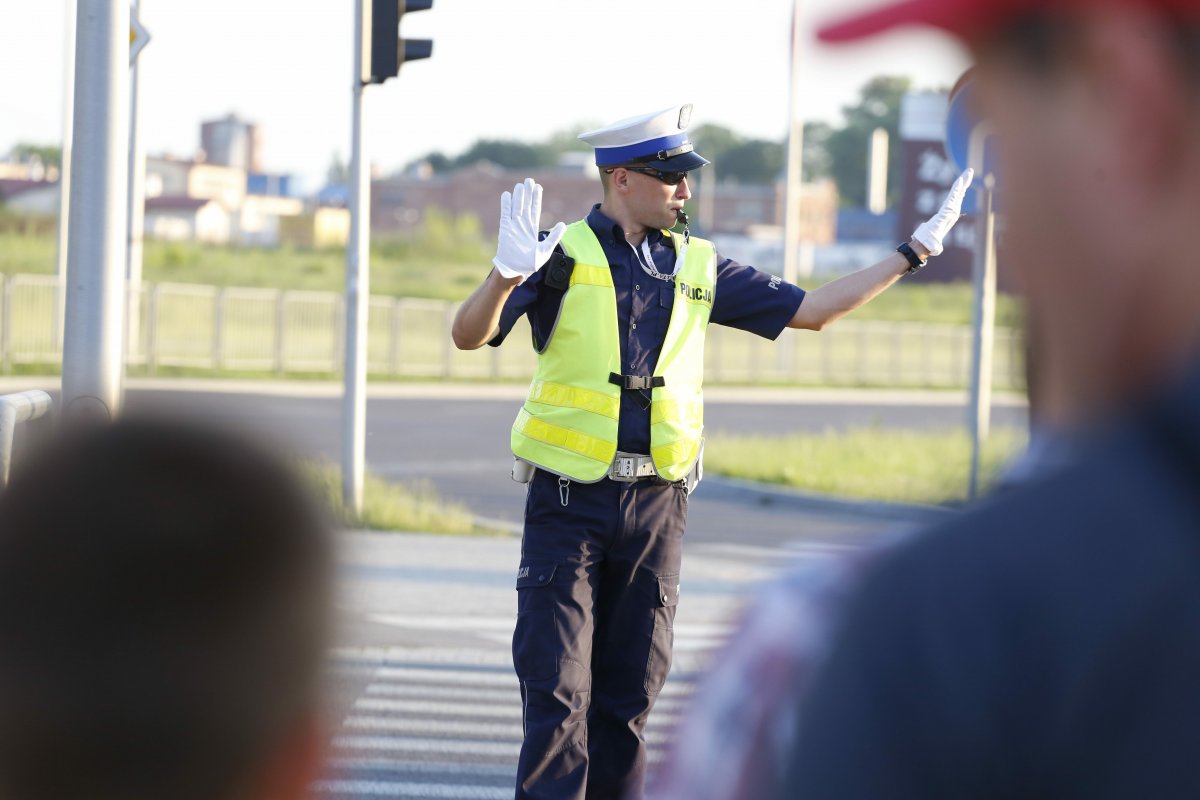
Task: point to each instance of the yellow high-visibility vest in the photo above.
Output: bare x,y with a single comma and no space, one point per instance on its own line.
568,424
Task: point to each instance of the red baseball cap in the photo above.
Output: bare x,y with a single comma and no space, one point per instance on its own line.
969,19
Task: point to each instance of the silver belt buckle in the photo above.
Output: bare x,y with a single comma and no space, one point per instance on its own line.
624,468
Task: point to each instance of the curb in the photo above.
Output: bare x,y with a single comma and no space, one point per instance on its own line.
763,494
516,391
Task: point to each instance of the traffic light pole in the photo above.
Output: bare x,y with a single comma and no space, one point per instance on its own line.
358,292
378,53
91,374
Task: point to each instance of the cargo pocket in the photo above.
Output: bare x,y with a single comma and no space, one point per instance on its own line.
663,639
535,641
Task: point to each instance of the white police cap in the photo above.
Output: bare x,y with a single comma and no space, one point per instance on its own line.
658,139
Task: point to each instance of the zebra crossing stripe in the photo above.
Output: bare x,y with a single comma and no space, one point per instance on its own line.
511,710
472,709
443,692
497,696
434,791
345,764
424,725
442,727
467,677
478,679
416,744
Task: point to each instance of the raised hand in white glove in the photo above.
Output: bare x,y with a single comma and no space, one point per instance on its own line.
519,254
932,233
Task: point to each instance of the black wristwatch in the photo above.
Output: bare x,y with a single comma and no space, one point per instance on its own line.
915,262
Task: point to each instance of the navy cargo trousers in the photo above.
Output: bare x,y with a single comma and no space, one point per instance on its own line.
597,588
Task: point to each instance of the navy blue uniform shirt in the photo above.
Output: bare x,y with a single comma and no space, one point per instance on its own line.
746,298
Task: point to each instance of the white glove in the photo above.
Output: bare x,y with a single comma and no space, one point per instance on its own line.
930,234
518,251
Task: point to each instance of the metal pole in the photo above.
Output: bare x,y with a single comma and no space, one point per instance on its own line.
64,174
795,159
91,379
984,319
136,211
354,396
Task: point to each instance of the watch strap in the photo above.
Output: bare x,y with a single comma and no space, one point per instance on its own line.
915,262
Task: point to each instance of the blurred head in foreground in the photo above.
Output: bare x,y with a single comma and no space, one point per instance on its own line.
164,610
1097,108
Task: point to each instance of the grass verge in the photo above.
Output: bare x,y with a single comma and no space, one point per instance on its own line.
874,463
445,260
393,506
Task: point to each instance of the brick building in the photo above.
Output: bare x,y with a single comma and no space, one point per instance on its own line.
398,203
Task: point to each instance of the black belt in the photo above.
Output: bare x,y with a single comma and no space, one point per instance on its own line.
637,382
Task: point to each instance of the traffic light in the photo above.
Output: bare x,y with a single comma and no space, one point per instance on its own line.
387,50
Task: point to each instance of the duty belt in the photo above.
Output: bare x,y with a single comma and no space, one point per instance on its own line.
630,467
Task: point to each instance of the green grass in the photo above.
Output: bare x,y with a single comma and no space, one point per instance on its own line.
433,263
392,506
864,463
935,302
400,267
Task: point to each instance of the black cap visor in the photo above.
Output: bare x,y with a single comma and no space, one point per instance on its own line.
673,162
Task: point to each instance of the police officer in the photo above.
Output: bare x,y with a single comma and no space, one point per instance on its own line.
611,433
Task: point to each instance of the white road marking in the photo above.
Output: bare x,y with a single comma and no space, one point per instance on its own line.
512,710
506,624
428,725
419,744
438,791
484,679
500,696
424,767
451,676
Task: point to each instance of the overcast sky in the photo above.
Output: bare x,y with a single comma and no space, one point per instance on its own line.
501,69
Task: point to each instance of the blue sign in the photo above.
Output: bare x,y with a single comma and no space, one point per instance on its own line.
964,129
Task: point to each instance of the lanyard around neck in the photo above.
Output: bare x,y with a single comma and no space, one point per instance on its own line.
647,264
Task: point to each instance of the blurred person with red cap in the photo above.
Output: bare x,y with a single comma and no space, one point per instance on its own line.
1045,643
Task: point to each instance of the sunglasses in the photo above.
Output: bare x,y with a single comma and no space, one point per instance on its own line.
669,178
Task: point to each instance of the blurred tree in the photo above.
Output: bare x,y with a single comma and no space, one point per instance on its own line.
738,159
753,161
567,140
506,153
713,141
48,155
338,174
878,107
817,162
837,152
436,159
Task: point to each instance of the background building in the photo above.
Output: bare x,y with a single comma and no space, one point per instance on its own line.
232,142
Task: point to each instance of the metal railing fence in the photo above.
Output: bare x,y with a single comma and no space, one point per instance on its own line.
232,329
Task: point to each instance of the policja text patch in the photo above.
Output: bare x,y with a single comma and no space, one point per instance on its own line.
697,294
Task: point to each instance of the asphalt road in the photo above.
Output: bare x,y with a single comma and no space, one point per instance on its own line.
459,442
425,702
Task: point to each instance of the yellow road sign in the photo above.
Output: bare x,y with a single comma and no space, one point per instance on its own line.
139,37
